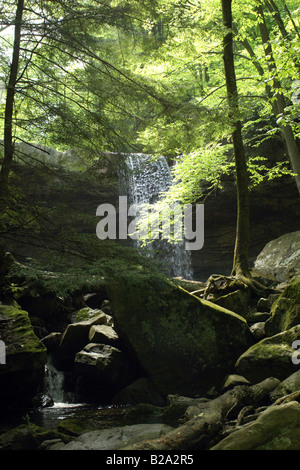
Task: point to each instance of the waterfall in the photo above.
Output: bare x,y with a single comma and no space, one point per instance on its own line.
147,179
53,383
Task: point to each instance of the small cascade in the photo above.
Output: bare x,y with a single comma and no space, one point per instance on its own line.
147,179
53,383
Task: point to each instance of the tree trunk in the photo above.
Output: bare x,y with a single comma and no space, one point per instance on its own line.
9,106
240,262
287,131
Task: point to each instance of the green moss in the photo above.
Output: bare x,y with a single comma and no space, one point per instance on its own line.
285,311
86,314
28,437
17,331
73,427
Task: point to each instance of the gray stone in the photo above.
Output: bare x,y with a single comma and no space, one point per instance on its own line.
103,334
258,330
115,438
76,335
280,257
104,365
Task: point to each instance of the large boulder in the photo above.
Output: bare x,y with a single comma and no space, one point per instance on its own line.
275,356
104,370
184,344
285,311
22,370
280,258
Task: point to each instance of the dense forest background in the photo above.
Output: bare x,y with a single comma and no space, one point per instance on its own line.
140,76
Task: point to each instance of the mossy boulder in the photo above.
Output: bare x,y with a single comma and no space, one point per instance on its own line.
26,356
277,428
285,311
73,426
270,357
29,437
184,344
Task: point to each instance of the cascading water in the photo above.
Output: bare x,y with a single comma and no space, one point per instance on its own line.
53,383
147,179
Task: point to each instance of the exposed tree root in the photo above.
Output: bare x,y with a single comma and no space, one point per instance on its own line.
220,284
201,430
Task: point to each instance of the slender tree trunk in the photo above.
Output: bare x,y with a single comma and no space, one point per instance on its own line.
240,262
9,106
287,131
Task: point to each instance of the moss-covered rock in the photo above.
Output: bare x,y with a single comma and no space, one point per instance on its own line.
236,301
277,428
285,311
270,357
73,426
87,313
26,356
184,344
28,437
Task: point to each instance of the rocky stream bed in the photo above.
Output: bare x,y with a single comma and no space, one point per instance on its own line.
154,364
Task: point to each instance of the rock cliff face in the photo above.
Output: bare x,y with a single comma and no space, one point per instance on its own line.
274,211
68,200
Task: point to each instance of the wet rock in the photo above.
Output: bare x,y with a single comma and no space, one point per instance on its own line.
42,401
